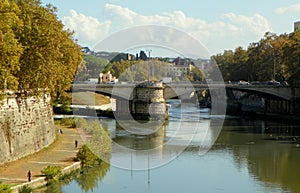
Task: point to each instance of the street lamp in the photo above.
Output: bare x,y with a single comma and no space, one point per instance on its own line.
274,60
149,68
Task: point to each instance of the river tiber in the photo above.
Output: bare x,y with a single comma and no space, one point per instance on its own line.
152,97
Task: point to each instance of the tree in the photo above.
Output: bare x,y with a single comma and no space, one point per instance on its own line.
240,69
94,65
225,62
196,74
291,58
271,57
50,57
10,49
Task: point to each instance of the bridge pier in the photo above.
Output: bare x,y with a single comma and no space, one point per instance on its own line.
147,103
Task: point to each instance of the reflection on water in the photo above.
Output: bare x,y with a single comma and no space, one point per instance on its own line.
143,146
271,152
86,180
141,142
92,176
249,156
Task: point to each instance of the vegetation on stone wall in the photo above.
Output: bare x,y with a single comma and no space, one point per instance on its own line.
5,126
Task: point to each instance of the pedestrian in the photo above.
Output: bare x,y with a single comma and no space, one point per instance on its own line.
29,176
76,143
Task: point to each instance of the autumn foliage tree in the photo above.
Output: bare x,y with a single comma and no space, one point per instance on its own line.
272,57
10,48
40,53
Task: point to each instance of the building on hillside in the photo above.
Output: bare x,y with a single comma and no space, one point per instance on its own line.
86,51
143,56
179,70
182,61
296,25
106,77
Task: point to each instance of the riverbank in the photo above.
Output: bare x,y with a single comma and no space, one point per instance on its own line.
60,153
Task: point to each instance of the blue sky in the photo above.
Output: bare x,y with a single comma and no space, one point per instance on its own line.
219,25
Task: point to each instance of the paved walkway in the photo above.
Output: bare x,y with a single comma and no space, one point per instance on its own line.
60,153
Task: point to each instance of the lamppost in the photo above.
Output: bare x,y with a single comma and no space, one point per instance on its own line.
274,60
274,64
149,67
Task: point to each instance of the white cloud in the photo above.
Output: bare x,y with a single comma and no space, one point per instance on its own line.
231,31
290,9
255,24
88,29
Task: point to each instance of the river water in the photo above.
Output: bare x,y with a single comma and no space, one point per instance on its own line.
249,156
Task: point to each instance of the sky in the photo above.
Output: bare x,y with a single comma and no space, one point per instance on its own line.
217,24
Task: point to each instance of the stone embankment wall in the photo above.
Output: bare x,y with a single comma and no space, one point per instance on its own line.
26,126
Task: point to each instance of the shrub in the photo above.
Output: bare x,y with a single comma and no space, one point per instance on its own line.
51,172
25,189
81,123
87,157
68,122
5,188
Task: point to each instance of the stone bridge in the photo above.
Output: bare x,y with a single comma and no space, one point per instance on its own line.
131,98
125,91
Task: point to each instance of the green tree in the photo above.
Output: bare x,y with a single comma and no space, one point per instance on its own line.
291,58
10,49
50,57
261,61
225,62
196,74
94,65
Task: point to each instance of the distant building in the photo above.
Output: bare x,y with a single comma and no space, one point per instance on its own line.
106,77
122,56
86,50
179,70
143,55
296,25
182,61
180,67
129,56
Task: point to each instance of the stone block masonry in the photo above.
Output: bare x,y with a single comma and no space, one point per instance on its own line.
147,103
26,126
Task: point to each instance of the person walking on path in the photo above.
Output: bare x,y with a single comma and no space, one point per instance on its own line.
29,176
